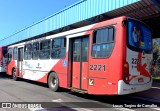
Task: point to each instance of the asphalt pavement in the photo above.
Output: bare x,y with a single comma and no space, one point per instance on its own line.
24,93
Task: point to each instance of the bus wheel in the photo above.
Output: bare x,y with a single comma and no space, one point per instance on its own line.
53,81
14,75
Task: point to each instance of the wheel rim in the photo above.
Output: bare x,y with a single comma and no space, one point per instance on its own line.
53,81
14,74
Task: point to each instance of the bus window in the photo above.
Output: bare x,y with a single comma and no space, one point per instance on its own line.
76,50
9,55
44,52
58,48
35,50
28,51
15,53
103,42
85,45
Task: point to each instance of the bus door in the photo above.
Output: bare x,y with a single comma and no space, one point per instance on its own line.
79,64
20,61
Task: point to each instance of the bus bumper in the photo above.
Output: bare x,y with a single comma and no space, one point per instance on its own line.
124,88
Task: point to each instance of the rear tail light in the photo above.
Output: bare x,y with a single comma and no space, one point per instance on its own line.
126,72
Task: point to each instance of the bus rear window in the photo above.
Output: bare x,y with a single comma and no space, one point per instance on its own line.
139,36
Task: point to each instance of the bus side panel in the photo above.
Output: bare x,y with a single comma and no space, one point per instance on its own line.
61,70
62,80
42,69
10,66
44,79
106,82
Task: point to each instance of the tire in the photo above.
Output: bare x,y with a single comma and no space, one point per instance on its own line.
53,81
14,75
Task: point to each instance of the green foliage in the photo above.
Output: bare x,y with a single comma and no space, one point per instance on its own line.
156,79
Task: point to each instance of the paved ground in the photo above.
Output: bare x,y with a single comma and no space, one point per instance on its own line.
152,95
28,91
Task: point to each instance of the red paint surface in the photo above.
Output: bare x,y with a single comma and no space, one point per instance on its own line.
114,63
142,67
60,70
76,75
10,66
44,79
62,80
84,79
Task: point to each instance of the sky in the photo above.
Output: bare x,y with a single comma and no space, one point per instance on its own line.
18,14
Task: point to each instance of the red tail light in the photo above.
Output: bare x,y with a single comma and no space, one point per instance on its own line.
126,72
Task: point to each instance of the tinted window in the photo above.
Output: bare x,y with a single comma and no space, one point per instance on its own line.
20,54
35,51
103,42
44,52
85,45
56,43
45,45
102,50
15,53
58,48
28,51
36,46
9,55
76,50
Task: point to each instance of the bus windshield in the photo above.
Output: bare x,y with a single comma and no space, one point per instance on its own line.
139,36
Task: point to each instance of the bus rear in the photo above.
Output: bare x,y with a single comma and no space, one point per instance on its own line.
3,59
138,57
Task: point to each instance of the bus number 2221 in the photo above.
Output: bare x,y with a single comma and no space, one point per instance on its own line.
97,67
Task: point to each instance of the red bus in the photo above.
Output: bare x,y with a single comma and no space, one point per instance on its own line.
112,57
3,59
